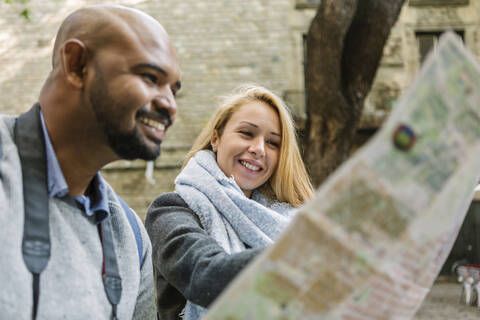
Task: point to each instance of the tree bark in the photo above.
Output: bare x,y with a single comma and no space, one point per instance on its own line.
344,47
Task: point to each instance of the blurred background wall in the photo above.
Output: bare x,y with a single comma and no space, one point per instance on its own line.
221,44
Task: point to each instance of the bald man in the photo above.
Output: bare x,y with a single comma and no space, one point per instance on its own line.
70,247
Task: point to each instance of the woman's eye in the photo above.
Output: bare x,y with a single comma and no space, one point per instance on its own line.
274,144
246,133
150,77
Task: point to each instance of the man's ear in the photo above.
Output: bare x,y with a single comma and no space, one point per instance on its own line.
74,60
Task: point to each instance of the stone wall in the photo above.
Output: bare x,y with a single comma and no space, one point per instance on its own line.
401,60
220,43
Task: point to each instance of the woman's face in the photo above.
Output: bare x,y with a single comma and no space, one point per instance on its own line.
249,147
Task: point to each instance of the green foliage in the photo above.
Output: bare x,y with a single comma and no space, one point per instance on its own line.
25,13
16,1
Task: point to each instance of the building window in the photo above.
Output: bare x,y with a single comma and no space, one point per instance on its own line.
419,3
427,40
305,4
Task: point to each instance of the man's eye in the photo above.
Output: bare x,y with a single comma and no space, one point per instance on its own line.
150,77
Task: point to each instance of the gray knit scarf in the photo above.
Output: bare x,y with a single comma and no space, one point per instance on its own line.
226,214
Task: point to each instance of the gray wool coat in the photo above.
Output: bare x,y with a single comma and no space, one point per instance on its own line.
188,263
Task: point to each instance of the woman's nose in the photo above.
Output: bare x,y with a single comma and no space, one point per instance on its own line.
257,147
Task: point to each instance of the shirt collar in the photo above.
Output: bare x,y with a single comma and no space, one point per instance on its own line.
95,199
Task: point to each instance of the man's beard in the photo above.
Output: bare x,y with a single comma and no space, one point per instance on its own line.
128,145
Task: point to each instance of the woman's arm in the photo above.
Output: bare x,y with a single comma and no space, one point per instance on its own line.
186,256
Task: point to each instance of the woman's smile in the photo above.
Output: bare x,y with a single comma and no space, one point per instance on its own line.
251,165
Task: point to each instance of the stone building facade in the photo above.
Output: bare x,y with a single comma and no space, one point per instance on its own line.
221,44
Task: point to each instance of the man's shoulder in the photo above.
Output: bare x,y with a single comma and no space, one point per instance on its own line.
122,212
117,202
7,122
8,149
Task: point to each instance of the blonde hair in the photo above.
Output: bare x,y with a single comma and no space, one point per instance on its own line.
290,181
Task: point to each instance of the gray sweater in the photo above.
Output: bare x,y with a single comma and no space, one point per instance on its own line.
188,263
71,286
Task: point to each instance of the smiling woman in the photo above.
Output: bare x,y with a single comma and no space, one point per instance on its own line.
290,182
236,193
249,146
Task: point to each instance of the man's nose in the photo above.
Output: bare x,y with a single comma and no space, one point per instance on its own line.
165,102
257,147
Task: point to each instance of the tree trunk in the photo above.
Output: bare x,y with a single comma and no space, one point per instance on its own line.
344,47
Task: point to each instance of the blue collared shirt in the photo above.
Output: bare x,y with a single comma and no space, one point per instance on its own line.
94,202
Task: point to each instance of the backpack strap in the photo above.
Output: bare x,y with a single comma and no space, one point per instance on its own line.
112,281
135,228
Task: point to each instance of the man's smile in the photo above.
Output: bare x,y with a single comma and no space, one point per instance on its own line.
152,123
155,130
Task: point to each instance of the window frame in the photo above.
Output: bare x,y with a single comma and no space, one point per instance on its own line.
307,4
421,3
435,34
